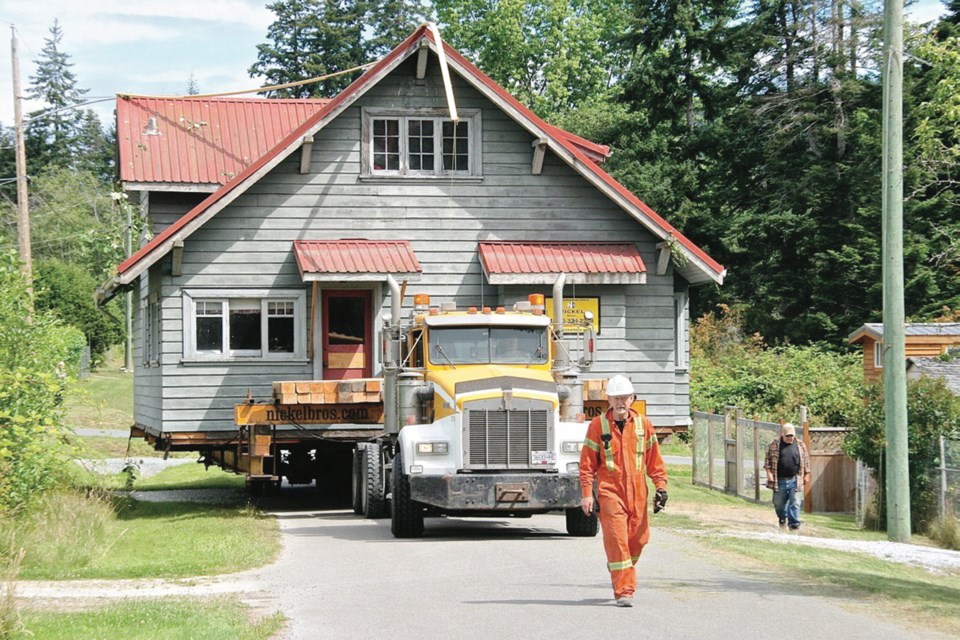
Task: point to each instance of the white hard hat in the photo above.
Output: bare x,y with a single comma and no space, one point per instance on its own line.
619,386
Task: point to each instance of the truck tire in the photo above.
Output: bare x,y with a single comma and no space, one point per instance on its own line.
374,500
580,525
356,481
406,515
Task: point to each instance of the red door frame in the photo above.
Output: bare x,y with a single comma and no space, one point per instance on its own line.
366,348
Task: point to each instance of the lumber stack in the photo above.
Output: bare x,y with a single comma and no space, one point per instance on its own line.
327,392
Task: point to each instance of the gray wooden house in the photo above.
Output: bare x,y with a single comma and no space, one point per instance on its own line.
275,269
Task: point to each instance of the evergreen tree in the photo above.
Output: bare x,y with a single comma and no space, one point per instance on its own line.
389,22
310,38
53,132
680,47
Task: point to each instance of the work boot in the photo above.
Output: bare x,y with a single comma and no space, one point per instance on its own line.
794,528
624,601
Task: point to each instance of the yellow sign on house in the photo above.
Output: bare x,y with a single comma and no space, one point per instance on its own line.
573,312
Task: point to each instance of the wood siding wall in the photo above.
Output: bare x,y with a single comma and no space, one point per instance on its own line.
249,244
914,347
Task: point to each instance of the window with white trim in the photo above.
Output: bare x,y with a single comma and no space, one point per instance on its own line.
240,324
680,311
425,143
878,355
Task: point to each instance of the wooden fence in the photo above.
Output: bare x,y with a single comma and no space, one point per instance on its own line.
729,452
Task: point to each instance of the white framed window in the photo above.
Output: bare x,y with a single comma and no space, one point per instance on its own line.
243,324
421,143
680,332
878,355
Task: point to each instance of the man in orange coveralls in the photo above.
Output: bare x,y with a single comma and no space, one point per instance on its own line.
620,447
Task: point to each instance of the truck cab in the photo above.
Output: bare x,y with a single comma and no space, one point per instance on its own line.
472,419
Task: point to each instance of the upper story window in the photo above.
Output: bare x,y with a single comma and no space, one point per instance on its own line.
421,143
241,324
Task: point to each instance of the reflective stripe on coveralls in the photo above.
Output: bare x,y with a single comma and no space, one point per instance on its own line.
611,466
622,491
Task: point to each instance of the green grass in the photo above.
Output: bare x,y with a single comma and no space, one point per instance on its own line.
103,400
108,447
676,448
913,595
78,536
191,476
909,594
167,619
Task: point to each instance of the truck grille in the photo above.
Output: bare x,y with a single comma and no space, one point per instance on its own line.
501,439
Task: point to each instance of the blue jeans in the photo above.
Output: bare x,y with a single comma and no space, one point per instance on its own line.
787,500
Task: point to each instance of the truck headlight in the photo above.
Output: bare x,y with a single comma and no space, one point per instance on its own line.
571,446
573,467
432,448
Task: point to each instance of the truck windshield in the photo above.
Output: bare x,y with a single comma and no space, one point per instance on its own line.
488,345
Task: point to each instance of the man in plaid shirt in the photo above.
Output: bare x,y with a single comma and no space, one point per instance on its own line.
788,469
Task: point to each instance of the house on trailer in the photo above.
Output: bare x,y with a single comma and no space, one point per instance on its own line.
280,271
921,340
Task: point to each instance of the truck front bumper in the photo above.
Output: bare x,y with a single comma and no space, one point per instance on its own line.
497,492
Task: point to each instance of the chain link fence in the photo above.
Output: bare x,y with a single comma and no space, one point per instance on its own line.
948,478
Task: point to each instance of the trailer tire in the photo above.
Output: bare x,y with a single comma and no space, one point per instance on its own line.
374,500
580,525
406,515
356,481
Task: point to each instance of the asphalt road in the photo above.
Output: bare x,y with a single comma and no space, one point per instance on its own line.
342,576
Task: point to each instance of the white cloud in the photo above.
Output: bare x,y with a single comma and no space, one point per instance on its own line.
138,45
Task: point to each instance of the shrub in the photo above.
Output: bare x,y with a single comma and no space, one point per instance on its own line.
730,368
932,411
67,291
32,453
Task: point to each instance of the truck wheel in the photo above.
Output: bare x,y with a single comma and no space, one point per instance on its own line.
374,500
406,515
356,481
580,525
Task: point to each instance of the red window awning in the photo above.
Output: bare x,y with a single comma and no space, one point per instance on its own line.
542,262
355,260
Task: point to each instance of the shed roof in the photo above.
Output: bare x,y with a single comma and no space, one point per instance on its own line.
875,330
949,372
541,262
186,143
341,259
696,266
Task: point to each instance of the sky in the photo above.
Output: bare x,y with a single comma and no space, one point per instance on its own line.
152,46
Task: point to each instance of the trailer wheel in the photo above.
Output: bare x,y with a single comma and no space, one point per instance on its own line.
374,500
406,515
580,525
356,481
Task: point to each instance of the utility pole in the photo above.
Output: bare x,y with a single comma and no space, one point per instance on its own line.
894,356
23,209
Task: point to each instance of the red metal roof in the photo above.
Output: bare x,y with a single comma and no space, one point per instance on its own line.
560,257
614,189
201,140
355,256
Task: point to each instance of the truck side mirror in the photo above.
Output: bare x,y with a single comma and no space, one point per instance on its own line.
588,345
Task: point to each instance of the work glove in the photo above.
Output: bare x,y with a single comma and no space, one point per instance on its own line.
659,500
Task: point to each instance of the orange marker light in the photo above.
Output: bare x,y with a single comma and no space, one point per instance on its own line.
421,299
536,299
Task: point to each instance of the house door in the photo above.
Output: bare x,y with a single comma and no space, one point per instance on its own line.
347,334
